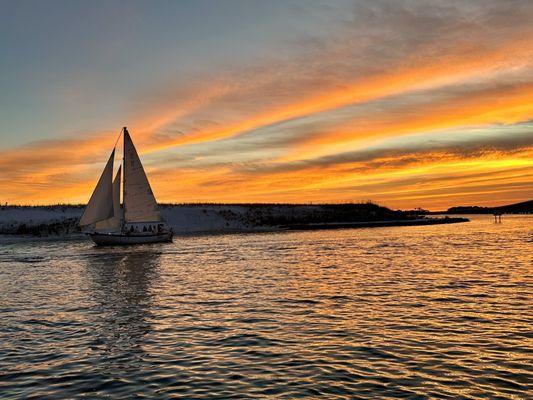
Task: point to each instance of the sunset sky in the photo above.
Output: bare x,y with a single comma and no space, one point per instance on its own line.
406,103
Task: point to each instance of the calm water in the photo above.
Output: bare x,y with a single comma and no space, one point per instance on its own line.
413,312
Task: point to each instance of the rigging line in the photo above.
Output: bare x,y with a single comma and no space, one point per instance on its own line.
120,134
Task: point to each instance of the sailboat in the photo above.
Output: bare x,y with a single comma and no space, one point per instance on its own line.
138,220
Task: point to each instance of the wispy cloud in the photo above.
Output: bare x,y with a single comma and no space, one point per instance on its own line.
304,123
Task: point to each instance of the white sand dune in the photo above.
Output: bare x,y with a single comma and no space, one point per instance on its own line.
193,218
183,219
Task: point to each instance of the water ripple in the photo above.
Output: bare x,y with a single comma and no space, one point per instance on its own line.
413,312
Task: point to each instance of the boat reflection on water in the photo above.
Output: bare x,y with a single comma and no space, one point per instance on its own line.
121,284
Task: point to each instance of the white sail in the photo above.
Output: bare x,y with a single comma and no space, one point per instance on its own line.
139,201
112,224
100,204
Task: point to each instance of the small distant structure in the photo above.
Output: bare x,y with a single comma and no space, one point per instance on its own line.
416,211
497,217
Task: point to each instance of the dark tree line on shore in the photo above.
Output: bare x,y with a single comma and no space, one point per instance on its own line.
525,207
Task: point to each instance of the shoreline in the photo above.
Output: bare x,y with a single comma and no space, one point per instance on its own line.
378,224
14,238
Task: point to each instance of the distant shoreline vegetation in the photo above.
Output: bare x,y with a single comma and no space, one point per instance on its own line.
515,208
525,207
200,204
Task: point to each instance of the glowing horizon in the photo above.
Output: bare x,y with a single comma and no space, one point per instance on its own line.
408,104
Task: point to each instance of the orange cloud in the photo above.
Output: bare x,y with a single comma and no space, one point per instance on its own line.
507,105
429,179
413,76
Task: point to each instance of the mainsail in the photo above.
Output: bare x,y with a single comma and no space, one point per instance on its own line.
100,206
113,224
139,201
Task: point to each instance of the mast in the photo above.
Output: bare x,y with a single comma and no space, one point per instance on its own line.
123,215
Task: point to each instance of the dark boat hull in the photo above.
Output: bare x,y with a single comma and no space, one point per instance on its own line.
114,239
